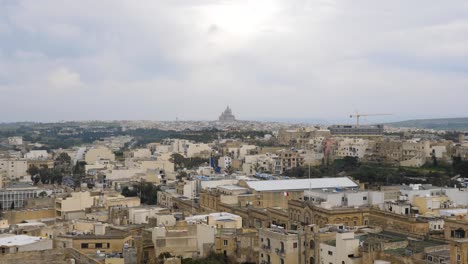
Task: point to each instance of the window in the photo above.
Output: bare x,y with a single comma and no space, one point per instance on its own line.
312,244
225,242
330,253
98,245
108,245
295,245
282,261
364,198
429,258
84,245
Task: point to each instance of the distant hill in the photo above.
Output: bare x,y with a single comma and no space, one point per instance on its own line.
439,123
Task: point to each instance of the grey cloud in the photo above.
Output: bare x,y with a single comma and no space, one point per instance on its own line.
297,59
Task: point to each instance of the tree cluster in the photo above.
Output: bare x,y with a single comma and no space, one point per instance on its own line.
181,162
147,192
62,167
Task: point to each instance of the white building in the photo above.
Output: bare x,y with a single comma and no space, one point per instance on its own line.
141,154
15,141
139,215
36,155
13,169
21,243
345,249
333,198
260,163
246,149
352,147
225,162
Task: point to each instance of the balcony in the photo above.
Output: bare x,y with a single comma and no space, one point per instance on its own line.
280,252
266,247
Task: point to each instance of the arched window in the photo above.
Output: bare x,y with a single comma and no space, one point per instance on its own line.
312,244
312,260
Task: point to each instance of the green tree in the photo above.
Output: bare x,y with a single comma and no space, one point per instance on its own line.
163,256
129,193
45,175
147,192
63,158
33,171
178,160
78,173
461,167
63,163
212,258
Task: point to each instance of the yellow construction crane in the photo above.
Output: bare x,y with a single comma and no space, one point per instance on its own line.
357,116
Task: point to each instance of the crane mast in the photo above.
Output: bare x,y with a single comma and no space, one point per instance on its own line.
358,116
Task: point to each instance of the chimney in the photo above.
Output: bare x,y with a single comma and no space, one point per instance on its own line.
100,229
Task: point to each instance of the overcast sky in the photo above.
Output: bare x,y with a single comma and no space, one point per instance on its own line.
158,60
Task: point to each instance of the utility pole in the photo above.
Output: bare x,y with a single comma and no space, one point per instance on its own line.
299,246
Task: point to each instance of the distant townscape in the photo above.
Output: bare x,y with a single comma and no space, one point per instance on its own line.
232,191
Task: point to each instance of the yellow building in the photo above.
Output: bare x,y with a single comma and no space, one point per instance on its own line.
459,251
99,153
112,241
77,201
303,212
455,229
19,216
429,204
269,193
186,240
398,223
240,245
121,201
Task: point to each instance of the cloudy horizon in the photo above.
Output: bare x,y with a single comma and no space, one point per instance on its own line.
298,59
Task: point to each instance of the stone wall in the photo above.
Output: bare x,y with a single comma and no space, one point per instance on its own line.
18,216
52,256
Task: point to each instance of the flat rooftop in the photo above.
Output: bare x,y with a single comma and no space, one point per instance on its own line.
232,187
302,184
17,240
